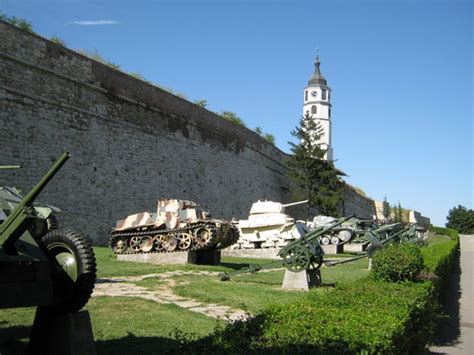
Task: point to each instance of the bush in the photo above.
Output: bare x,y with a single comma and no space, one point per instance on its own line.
398,262
369,316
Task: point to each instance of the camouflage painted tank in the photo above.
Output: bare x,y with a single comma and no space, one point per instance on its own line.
177,225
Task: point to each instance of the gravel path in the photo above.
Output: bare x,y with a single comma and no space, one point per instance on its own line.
163,293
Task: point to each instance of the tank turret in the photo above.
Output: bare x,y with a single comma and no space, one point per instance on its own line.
268,225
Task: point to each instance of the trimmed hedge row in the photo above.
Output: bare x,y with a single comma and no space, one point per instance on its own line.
368,316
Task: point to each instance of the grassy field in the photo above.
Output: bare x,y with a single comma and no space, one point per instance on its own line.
123,325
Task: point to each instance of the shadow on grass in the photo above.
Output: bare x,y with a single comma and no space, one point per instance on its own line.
235,266
447,329
14,340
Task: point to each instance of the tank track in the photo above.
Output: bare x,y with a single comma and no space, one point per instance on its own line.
172,234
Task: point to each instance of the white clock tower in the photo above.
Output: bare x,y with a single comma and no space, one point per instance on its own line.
317,104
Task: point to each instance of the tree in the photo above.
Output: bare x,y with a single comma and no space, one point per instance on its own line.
232,117
316,179
270,138
386,209
259,130
21,23
461,219
58,40
201,103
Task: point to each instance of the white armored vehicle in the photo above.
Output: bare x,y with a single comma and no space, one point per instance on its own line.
268,226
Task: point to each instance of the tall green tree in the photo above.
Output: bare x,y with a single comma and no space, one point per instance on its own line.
315,178
386,209
461,219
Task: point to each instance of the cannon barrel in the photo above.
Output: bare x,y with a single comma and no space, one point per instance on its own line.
33,194
9,167
11,229
294,203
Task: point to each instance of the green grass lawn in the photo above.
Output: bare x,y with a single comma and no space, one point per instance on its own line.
108,266
120,326
255,291
129,325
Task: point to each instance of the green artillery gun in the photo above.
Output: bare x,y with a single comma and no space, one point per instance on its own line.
390,233
11,196
54,269
302,254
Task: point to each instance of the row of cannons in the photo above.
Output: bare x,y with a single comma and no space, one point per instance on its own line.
54,269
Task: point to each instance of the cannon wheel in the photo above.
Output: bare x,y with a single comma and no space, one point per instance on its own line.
297,258
73,269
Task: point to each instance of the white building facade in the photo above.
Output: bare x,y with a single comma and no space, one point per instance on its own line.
317,104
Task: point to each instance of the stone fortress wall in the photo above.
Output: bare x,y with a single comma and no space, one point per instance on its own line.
131,143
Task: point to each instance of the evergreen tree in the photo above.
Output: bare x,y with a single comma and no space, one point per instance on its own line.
316,179
386,209
461,219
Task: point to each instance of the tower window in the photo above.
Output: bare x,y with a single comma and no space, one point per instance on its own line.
323,94
307,112
329,95
313,109
329,113
306,95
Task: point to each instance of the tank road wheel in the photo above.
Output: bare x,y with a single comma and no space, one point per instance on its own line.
158,242
73,269
169,242
325,240
119,246
296,258
335,240
202,236
135,244
146,244
185,241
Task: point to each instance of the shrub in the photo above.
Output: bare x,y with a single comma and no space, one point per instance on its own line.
368,316
398,262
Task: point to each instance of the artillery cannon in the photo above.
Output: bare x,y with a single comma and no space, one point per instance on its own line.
267,226
306,253
390,233
54,269
302,254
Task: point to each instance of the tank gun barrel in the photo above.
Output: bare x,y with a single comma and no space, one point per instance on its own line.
295,203
10,167
12,228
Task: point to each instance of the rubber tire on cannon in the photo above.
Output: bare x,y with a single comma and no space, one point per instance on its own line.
73,268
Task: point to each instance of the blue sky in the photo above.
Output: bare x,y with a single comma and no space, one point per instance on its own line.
400,71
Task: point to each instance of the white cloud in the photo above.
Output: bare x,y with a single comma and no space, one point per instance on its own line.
95,22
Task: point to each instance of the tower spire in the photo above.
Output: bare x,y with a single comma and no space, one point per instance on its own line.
317,78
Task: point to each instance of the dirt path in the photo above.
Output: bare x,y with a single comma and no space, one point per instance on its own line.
456,334
163,293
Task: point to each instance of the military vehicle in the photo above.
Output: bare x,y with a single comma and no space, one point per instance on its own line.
342,234
177,225
11,196
54,269
268,226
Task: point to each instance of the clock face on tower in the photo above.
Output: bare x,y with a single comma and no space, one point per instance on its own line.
314,93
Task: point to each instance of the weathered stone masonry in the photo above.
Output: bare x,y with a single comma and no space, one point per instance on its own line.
131,143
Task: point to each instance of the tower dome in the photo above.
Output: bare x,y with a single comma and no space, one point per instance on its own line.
317,78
